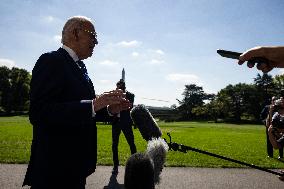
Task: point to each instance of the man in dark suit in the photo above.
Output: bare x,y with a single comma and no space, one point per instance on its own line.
122,122
64,110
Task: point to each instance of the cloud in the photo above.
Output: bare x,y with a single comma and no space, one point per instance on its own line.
7,62
281,71
135,54
129,44
48,19
159,52
57,38
108,63
155,61
184,78
104,81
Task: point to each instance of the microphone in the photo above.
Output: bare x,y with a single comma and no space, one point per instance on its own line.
157,149
143,169
145,122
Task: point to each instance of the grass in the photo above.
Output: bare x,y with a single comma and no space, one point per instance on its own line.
241,142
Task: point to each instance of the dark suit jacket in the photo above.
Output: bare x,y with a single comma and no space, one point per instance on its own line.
64,142
125,118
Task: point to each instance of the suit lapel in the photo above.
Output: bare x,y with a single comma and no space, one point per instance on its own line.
76,70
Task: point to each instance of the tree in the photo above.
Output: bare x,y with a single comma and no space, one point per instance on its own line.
193,96
236,101
20,86
14,89
5,86
278,82
265,86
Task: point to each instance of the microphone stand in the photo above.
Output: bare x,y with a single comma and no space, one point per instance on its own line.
182,148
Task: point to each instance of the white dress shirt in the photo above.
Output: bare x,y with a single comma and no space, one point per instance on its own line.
76,58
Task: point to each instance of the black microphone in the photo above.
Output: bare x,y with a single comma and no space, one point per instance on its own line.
145,122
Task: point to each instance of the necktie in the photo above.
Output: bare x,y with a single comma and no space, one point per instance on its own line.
83,69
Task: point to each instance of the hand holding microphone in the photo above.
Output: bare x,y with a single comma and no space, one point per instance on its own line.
266,57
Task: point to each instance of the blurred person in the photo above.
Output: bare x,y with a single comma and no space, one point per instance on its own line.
122,122
273,108
273,54
64,110
276,129
266,119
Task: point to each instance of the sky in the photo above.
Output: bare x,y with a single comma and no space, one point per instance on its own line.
163,45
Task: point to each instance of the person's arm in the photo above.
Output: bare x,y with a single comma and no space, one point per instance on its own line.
273,131
274,55
270,115
272,138
48,104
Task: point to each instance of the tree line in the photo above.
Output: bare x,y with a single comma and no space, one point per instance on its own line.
234,103
14,90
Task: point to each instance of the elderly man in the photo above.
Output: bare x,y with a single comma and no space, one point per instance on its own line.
64,110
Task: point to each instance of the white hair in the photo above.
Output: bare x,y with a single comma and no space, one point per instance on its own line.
75,22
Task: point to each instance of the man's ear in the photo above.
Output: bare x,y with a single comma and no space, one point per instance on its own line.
75,34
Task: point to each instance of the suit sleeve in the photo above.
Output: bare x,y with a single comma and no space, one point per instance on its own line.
130,96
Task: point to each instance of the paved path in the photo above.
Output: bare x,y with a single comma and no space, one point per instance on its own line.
11,177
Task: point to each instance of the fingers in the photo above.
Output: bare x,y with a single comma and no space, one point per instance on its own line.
114,93
253,56
112,97
250,64
251,53
260,66
116,108
264,67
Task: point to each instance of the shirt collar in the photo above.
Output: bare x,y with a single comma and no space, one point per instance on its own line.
71,53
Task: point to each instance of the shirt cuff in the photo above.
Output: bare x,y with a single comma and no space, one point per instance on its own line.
93,109
110,114
92,102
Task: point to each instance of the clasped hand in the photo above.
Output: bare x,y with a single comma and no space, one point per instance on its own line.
115,100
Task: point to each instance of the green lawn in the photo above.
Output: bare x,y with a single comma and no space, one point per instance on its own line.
241,142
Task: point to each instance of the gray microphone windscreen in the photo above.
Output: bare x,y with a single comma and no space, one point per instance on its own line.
157,149
145,122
